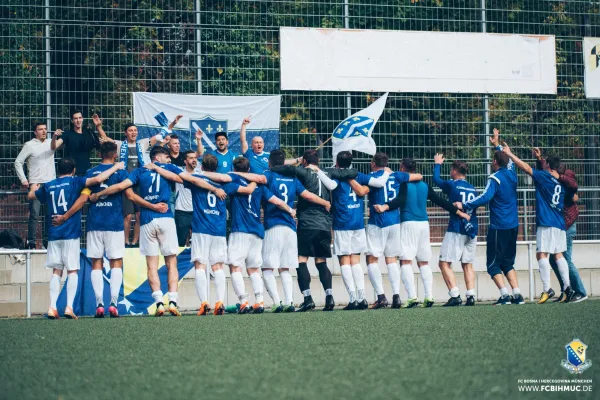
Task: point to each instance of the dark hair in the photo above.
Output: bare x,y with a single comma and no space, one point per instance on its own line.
409,164
553,162
76,112
241,164
344,159
174,136
209,163
381,159
311,157
277,157
221,134
187,153
562,169
129,125
460,167
108,150
158,150
65,166
501,158
35,125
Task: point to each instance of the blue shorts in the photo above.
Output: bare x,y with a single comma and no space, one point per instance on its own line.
501,250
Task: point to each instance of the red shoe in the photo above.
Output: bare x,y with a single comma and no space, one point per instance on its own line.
69,314
219,308
99,311
112,310
53,313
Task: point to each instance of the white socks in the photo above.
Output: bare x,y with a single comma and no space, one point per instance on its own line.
408,278
454,292
172,296
98,285
503,292
220,284
563,270
157,296
54,290
201,285
349,282
470,292
116,280
394,277
544,265
359,281
72,281
257,286
427,277
286,282
375,277
271,285
237,281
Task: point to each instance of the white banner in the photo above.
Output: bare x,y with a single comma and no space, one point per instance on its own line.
212,114
591,59
411,61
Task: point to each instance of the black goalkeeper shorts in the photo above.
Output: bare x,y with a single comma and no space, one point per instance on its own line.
314,243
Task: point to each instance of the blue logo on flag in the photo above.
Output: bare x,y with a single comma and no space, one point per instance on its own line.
209,125
354,126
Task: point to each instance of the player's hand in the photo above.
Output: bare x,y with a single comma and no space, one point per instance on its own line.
293,212
327,206
506,149
246,120
150,166
464,215
439,158
120,165
177,118
537,153
381,208
93,197
575,198
58,220
161,207
388,170
313,167
495,138
458,205
57,134
34,186
96,120
166,140
199,134
25,185
220,193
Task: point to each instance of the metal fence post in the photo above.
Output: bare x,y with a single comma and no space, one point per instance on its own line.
28,282
529,248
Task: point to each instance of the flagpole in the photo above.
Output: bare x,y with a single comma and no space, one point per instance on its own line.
324,143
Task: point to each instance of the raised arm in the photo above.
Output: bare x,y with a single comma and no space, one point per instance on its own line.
243,140
171,176
313,198
359,189
98,123
135,198
262,179
200,149
98,179
437,170
78,205
111,190
522,165
56,139
280,204
174,122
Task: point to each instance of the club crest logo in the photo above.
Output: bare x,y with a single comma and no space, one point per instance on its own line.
576,362
210,126
354,126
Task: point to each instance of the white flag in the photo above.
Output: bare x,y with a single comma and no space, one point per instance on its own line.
591,60
354,133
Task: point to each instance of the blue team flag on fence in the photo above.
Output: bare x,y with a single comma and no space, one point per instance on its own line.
355,132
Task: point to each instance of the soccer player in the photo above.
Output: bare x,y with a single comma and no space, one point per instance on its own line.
224,156
501,193
314,226
383,232
460,240
158,232
183,202
551,238
280,246
247,233
414,230
63,243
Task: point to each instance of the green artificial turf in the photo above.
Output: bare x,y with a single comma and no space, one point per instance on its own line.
459,353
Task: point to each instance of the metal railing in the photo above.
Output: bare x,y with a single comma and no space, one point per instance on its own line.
28,254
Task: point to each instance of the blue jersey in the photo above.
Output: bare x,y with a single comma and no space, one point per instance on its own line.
457,190
154,189
285,189
415,208
259,163
245,209
225,161
549,200
210,212
347,208
383,195
59,195
501,193
107,213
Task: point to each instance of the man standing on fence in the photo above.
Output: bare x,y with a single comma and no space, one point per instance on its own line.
39,156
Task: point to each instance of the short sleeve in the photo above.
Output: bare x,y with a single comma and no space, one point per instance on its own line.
235,178
401,177
299,187
134,176
230,188
269,176
247,153
536,175
363,179
121,175
79,182
40,194
267,194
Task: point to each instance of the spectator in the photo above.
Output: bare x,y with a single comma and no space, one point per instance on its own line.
224,156
78,142
39,156
183,204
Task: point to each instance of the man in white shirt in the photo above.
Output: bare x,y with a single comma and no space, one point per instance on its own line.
39,157
183,203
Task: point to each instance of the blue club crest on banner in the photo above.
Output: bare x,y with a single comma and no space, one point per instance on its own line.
210,126
358,125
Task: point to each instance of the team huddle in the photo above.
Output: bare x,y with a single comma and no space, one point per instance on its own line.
259,195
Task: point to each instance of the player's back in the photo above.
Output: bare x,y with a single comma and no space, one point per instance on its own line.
154,189
383,195
461,191
347,208
210,212
549,200
107,213
245,209
286,189
59,195
415,208
503,206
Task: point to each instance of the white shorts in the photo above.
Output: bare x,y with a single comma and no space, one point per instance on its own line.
63,254
113,243
550,240
244,249
383,241
208,249
280,248
346,243
457,247
415,241
159,233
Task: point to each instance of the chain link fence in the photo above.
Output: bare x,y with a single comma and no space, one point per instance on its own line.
60,55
